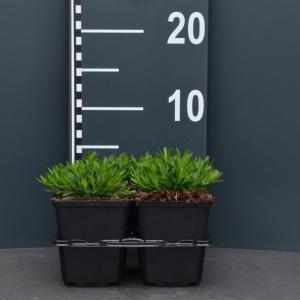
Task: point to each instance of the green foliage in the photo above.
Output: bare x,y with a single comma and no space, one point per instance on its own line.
169,170
116,175
94,176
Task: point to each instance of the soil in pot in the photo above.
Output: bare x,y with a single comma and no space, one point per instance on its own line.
92,221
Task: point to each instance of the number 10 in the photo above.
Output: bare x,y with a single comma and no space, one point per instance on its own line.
195,94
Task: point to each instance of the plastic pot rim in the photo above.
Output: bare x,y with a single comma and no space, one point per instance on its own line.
87,203
168,204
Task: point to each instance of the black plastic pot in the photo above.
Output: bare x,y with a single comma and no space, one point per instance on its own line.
92,221
172,222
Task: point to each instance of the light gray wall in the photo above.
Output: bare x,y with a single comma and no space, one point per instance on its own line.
254,124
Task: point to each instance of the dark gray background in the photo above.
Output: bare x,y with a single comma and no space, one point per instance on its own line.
253,125
150,72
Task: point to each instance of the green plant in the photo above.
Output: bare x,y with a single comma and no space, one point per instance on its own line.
93,176
125,162
174,171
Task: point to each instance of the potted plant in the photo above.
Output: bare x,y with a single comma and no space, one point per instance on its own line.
91,203
173,205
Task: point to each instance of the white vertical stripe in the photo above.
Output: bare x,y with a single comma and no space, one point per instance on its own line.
79,87
78,72
79,119
72,84
78,24
78,103
78,9
79,56
78,40
79,134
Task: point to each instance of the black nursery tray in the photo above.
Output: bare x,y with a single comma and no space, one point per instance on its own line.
132,243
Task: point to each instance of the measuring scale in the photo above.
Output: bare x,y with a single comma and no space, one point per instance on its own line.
138,75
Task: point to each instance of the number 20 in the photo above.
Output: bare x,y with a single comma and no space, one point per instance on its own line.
196,40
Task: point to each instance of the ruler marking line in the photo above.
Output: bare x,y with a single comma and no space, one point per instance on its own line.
103,108
95,147
129,31
94,70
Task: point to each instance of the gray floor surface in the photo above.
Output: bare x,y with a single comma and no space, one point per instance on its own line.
33,274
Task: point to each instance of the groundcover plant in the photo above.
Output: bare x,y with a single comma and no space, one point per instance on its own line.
172,175
93,176
175,174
